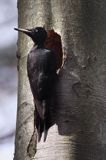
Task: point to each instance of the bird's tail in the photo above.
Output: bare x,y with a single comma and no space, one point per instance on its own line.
42,118
39,123
47,119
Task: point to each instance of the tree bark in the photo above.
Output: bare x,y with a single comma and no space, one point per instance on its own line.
79,111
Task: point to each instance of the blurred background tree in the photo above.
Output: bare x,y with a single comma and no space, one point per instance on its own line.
8,77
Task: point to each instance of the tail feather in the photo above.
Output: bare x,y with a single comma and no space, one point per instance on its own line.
45,133
39,108
40,130
42,118
39,123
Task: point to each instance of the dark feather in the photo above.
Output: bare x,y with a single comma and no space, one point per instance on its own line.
41,67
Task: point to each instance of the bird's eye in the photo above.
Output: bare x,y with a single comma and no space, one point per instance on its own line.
36,30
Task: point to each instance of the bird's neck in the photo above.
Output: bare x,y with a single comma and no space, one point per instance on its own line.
38,46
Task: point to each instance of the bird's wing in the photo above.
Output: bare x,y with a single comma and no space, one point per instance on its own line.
42,80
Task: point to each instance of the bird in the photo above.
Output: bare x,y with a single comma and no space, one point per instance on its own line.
42,75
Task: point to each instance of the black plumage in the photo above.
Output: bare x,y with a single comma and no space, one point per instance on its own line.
41,69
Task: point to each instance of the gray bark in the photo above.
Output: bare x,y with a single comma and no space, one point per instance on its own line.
79,112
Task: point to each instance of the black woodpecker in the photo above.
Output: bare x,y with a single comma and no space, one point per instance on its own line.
41,69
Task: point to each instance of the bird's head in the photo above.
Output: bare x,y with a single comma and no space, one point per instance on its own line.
37,34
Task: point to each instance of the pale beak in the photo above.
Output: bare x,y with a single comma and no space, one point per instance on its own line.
26,31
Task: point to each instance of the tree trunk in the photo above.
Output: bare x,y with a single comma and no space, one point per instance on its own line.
79,111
